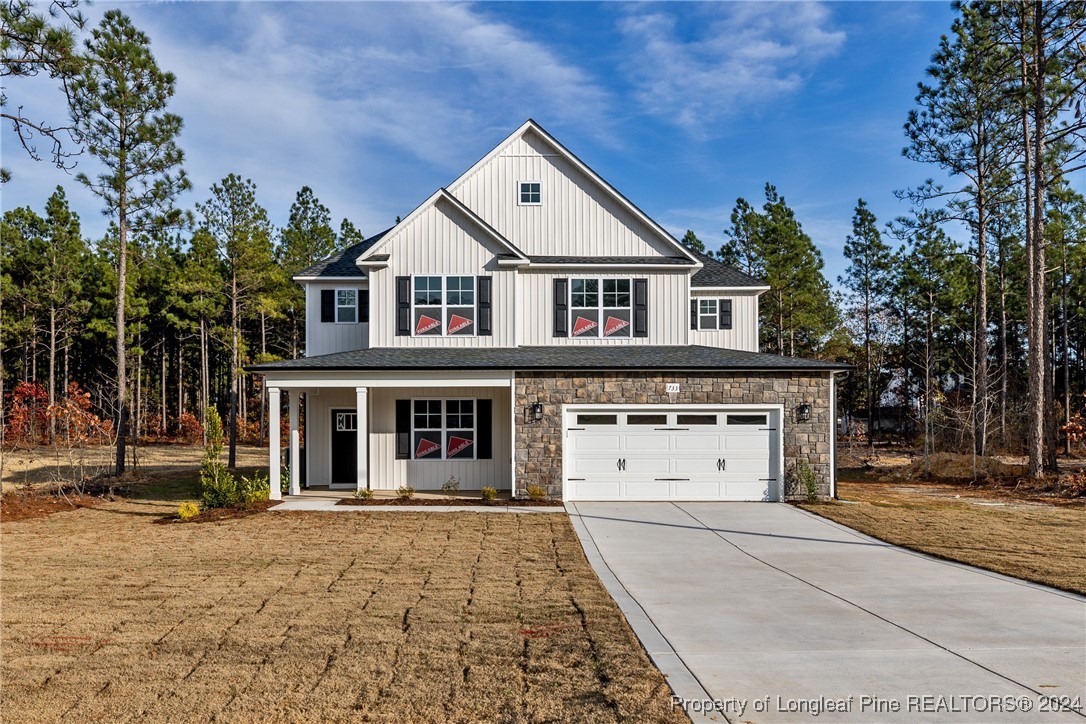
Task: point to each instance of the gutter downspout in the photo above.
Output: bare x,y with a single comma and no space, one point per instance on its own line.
833,434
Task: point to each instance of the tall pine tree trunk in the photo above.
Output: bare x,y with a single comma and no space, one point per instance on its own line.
980,332
1035,262
52,372
122,352
205,373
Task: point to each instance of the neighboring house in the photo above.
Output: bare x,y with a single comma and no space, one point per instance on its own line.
528,325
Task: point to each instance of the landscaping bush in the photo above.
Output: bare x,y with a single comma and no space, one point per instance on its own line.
363,494
803,481
488,493
451,486
405,493
187,510
536,492
254,489
218,488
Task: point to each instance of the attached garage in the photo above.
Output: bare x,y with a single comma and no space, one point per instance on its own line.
672,452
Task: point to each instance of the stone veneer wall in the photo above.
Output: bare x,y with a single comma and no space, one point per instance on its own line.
538,445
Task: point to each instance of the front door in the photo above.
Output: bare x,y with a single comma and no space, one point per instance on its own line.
344,447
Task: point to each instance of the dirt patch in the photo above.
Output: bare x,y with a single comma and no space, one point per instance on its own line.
22,505
306,616
452,501
214,515
1029,540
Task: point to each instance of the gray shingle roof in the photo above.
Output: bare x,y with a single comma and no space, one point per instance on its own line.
678,260
564,357
342,263
717,274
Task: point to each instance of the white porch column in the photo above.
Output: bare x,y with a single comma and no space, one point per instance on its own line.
295,446
273,445
362,427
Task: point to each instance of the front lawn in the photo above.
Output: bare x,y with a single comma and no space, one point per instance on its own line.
1034,541
313,616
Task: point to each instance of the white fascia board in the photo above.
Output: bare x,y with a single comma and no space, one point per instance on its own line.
583,168
684,268
760,290
319,379
329,279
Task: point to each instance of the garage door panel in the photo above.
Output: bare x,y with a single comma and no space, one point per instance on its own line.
595,490
647,443
648,489
647,465
588,464
697,490
697,465
747,442
745,490
596,441
758,467
695,442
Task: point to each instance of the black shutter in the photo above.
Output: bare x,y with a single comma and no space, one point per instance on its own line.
403,429
725,314
561,307
693,314
364,306
484,430
641,308
483,301
328,305
403,306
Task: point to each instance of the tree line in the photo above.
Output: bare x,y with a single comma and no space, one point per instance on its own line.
981,341
964,315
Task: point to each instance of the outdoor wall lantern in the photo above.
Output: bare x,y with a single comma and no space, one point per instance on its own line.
537,411
803,411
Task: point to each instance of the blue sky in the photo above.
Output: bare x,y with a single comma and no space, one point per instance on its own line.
682,106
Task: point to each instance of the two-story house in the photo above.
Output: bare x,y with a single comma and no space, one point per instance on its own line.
529,325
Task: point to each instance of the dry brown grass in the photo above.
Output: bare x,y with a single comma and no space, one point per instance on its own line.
314,616
1032,541
42,465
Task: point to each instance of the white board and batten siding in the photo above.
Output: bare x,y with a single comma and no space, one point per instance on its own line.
667,300
575,217
442,241
385,471
328,337
744,332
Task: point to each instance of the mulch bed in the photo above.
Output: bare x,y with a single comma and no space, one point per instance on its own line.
25,505
452,501
214,515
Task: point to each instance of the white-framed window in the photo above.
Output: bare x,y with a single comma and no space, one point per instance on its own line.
530,193
443,306
346,306
443,429
346,422
708,314
600,307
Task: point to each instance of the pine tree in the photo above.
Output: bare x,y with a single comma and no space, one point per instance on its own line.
868,280
118,104
740,248
691,241
349,235
243,236
307,238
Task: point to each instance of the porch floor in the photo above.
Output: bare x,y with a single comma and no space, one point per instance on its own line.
322,498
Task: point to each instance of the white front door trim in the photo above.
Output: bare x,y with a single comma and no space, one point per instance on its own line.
776,409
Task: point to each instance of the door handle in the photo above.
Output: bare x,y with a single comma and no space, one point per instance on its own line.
721,464
621,463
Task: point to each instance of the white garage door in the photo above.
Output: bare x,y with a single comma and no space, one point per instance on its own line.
666,453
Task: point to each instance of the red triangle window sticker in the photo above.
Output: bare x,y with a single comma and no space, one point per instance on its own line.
613,325
425,324
457,444
583,325
456,323
426,447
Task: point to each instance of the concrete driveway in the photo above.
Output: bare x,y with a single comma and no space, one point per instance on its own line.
761,612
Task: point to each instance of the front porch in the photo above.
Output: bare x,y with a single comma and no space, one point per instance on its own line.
387,430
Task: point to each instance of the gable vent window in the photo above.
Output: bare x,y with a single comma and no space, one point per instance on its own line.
531,193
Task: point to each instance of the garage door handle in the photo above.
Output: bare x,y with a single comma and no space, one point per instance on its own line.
672,479
721,464
622,463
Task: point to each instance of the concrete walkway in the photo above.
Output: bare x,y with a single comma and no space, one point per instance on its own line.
328,504
737,602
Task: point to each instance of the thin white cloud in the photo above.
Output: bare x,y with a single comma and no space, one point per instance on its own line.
735,55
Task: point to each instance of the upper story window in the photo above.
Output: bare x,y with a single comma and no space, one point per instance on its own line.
710,313
346,306
599,307
444,305
531,193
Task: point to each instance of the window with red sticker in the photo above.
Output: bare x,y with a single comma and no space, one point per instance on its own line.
443,429
600,308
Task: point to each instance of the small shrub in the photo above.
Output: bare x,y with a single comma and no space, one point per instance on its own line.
218,488
405,493
187,510
254,489
803,481
451,486
488,493
363,494
536,492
